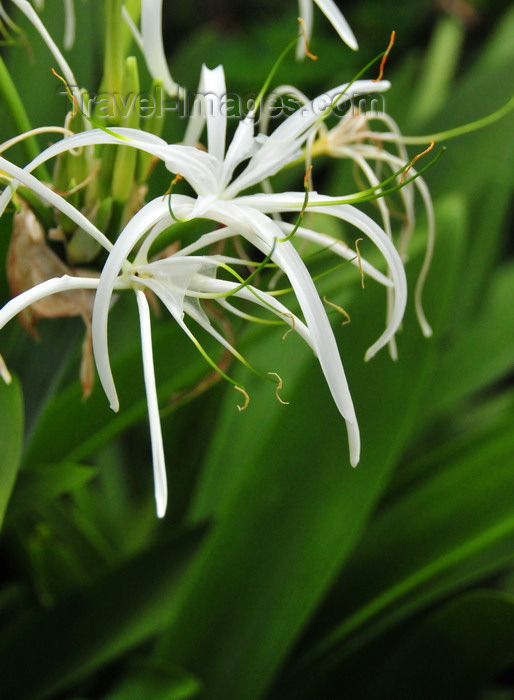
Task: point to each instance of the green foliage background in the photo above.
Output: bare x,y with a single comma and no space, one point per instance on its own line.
279,571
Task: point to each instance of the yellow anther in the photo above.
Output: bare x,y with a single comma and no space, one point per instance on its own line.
247,398
279,387
340,309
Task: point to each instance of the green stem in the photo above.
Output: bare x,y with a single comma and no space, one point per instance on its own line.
12,100
114,57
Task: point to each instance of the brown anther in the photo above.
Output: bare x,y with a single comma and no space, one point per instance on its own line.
420,155
384,57
306,41
360,259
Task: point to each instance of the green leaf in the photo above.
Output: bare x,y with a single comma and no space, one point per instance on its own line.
450,530
289,507
157,683
36,487
452,653
92,627
11,436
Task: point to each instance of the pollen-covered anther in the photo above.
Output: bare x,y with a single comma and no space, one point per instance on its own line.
289,330
359,258
279,387
306,41
384,57
420,155
245,394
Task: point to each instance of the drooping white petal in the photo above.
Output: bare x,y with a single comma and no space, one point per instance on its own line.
338,248
42,290
47,195
200,169
336,19
159,465
135,230
334,16
284,202
153,47
69,24
262,232
31,14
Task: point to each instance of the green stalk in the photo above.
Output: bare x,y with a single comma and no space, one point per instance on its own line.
12,100
114,47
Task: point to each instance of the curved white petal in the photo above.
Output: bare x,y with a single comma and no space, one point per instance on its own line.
262,232
31,14
334,16
200,169
159,465
284,144
336,19
134,231
42,290
47,195
153,47
293,202
209,106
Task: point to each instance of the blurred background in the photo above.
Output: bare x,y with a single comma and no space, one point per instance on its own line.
279,571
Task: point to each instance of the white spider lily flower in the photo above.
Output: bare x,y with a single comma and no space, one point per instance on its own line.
211,175
334,16
180,281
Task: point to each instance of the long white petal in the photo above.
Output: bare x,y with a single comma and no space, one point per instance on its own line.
134,231
284,203
200,169
261,231
334,16
209,107
47,195
159,465
153,47
336,19
65,69
338,248
42,290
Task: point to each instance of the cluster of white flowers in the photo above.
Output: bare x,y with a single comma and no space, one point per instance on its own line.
219,177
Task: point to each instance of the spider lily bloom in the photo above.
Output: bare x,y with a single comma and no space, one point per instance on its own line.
334,16
211,175
180,281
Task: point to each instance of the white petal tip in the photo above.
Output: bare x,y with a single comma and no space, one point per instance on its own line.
427,332
161,510
370,353
4,372
115,405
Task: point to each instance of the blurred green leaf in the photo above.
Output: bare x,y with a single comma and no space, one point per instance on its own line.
36,487
92,627
450,530
452,653
11,437
157,683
